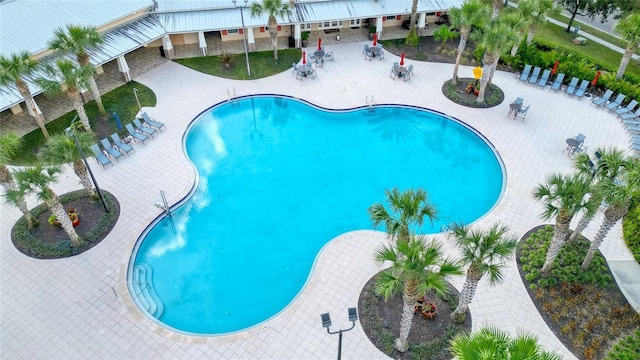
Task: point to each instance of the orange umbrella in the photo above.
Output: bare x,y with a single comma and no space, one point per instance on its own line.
595,79
375,39
402,59
319,44
555,67
304,58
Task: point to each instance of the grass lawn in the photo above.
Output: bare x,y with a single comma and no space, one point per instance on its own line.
261,64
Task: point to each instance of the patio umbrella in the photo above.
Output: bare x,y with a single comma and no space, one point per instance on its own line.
319,44
375,39
402,59
304,58
555,67
595,79
117,119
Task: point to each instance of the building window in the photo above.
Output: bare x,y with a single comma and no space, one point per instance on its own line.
391,17
330,24
306,26
355,22
233,31
431,14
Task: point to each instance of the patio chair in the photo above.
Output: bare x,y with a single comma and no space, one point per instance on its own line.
522,112
581,90
145,129
615,103
572,86
635,147
294,67
558,82
544,78
407,74
100,157
151,121
525,73
123,146
135,134
108,147
534,75
367,52
630,119
328,55
602,100
627,109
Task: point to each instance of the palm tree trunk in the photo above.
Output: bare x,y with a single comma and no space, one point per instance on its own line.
466,295
532,32
559,234
95,93
408,304
626,58
582,224
56,208
75,98
23,88
83,174
492,72
516,45
273,32
464,36
497,5
487,60
611,216
7,182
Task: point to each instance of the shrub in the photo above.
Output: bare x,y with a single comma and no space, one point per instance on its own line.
626,348
631,228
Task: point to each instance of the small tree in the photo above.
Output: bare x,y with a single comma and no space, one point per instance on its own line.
444,34
411,275
74,77
62,148
9,146
485,253
36,181
412,35
471,14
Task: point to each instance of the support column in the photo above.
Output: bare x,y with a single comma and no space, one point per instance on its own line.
202,42
297,35
379,27
123,68
169,53
422,21
250,39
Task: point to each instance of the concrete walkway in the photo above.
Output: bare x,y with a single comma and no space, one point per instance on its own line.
66,309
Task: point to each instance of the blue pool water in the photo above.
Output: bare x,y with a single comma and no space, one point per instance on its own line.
278,179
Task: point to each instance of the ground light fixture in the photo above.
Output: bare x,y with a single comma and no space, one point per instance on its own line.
244,33
326,322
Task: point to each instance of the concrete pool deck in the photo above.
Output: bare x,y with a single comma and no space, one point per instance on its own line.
66,309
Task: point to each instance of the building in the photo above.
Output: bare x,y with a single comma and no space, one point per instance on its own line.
169,25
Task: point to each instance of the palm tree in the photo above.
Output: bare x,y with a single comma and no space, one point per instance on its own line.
495,39
76,40
541,8
406,209
444,34
485,253
523,12
412,36
495,344
563,197
609,166
272,8
617,194
36,181
10,143
497,5
629,29
12,70
74,77
471,14
62,149
411,274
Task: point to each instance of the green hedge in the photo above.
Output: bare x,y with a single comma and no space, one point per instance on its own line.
631,228
626,348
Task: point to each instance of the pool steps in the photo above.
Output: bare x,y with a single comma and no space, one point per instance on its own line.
143,288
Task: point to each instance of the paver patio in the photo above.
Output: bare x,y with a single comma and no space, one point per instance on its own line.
66,309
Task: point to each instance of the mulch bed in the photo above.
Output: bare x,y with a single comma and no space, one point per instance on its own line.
428,338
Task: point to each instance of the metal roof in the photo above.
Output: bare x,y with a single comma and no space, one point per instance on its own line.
27,25
122,40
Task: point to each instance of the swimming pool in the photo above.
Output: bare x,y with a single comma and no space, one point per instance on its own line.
278,179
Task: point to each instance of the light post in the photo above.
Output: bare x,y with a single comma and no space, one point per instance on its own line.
244,35
135,93
69,131
326,322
